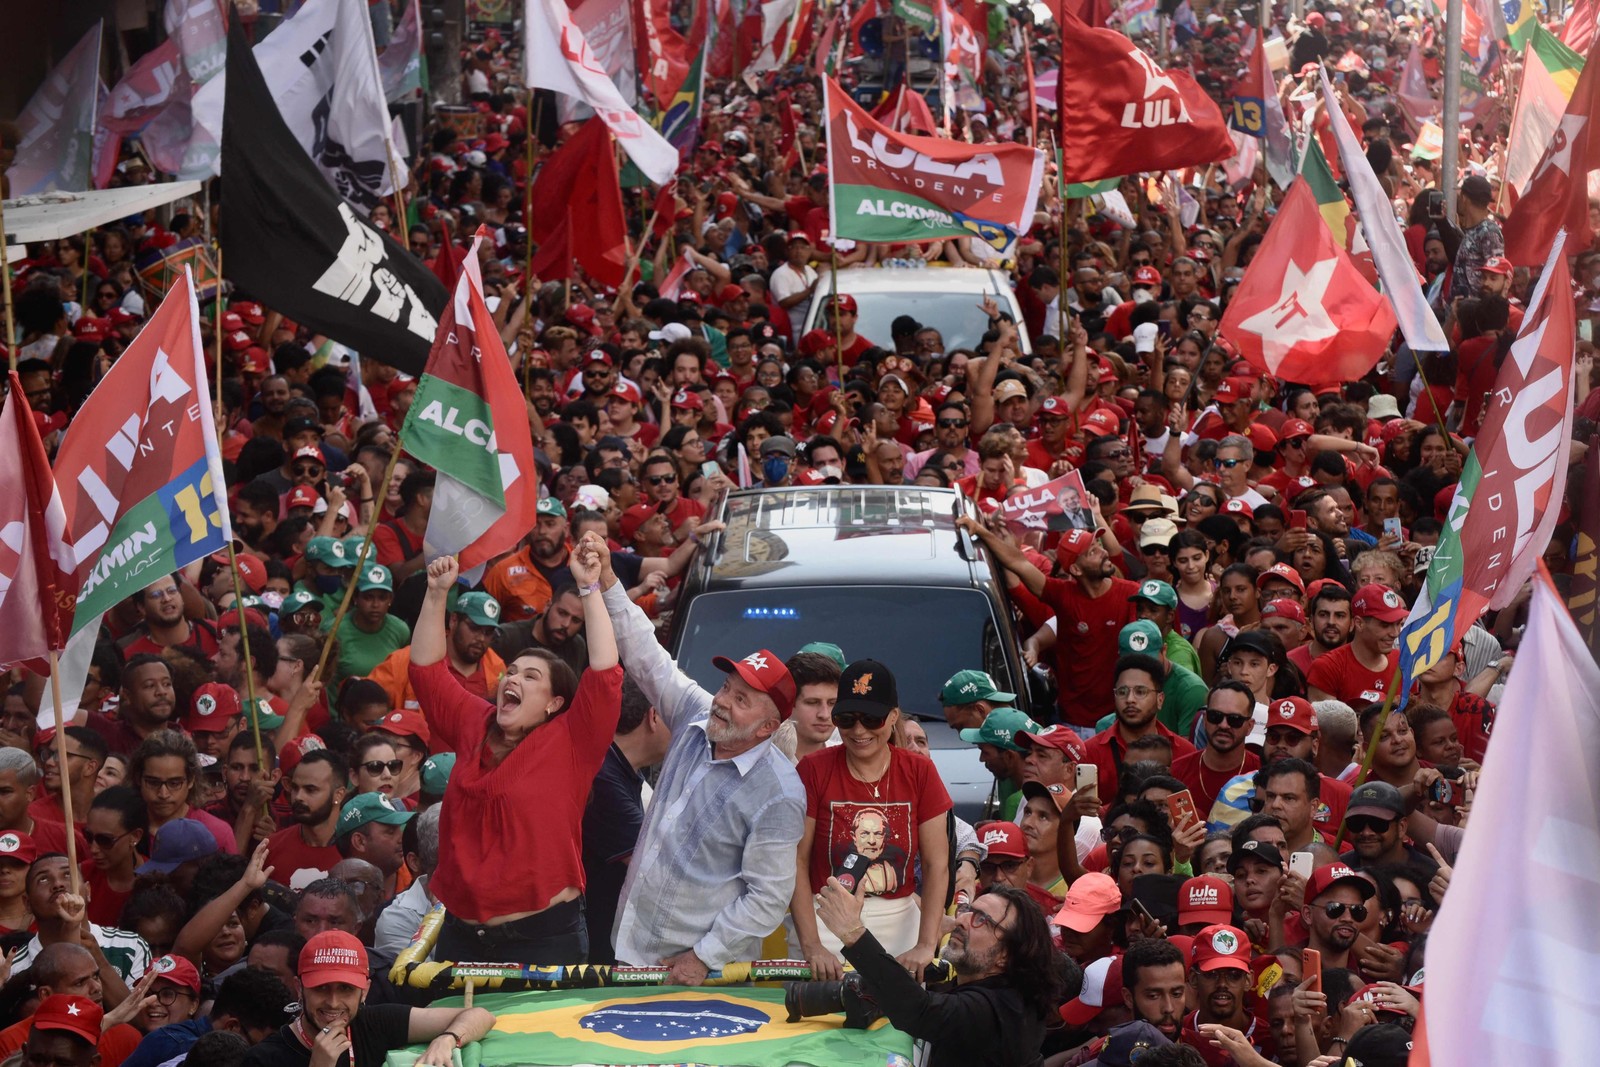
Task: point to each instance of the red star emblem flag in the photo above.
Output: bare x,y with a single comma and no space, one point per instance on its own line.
1303,312
1557,196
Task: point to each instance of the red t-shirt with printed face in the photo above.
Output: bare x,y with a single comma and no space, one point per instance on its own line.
1086,645
862,836
1341,676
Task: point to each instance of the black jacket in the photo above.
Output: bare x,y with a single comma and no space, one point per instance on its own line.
979,1024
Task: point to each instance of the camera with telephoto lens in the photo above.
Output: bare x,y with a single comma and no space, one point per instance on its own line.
805,1000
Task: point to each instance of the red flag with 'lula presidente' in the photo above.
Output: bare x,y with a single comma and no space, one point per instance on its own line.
1121,113
37,591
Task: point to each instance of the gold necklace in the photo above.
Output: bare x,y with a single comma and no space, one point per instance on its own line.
871,784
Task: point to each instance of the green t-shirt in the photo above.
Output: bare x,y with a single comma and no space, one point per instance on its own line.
1181,652
360,652
1010,794
1183,696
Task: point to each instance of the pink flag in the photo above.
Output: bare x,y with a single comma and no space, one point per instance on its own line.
37,595
1515,940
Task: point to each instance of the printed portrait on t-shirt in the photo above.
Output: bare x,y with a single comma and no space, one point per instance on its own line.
870,844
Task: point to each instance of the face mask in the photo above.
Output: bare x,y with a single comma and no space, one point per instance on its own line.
328,583
774,468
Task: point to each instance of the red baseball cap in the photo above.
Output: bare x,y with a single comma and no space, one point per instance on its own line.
1283,571
297,750
1496,265
687,399
212,705
334,956
729,293
1100,423
1262,439
597,355
405,722
255,360
18,846
1004,839
1239,506
178,971
1325,878
1073,544
1283,608
76,1015
635,517
763,670
238,341
1220,947
1233,390
311,452
121,316
1102,988
232,322
1060,738
1293,428
1206,899
1146,275
628,392
1054,406
816,341
1293,711
90,328
844,302
252,571
250,311
303,496
1089,900
1378,602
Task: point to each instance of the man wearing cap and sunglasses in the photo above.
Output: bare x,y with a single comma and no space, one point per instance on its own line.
336,1026
713,872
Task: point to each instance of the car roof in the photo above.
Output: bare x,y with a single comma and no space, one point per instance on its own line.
864,535
942,279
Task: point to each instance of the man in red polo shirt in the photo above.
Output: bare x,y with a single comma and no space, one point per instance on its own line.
1230,710
1361,671
1139,697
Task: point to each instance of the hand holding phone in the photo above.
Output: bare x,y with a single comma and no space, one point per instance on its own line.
1301,863
1297,519
1391,525
1181,811
1311,968
1088,774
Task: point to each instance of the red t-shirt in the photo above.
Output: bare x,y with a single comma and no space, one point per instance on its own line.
1341,676
1086,645
684,510
1301,657
1474,719
297,863
52,837
394,544
105,903
1206,784
201,640
861,835
1107,751
485,817
1328,811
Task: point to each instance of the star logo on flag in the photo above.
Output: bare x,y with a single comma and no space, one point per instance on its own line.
1561,144
1154,77
1297,315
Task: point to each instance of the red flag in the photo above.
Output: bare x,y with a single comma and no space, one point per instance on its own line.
447,261
906,111
1579,30
1130,115
553,260
1303,311
37,593
1557,196
1096,13
665,213
825,46
664,54
582,174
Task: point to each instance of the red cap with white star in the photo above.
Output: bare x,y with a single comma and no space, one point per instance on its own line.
76,1015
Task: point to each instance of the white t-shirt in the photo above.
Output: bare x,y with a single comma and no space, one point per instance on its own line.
786,282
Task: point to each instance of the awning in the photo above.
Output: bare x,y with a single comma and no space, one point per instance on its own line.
52,216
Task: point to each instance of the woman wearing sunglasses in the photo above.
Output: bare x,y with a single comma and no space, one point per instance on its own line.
873,812
375,766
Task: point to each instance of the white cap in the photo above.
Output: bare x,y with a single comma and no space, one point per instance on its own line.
672,331
592,497
1093,992
1144,337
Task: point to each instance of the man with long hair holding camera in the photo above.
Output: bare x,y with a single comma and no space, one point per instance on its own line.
1007,981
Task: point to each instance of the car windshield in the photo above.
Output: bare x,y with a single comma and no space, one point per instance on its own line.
924,635
955,316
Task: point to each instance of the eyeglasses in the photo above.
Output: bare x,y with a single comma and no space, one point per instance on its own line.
846,720
105,841
162,594
1217,718
1229,464
1122,692
377,766
952,423
1115,833
979,918
166,996
1334,910
1121,453
999,866
164,785
661,479
1359,824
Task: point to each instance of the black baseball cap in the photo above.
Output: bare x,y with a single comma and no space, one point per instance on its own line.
868,688
300,424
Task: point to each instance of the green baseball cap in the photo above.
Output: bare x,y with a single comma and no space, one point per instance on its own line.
329,551
823,648
375,577
1001,729
436,772
1143,637
1157,592
551,506
480,608
364,808
264,716
353,546
969,687
299,601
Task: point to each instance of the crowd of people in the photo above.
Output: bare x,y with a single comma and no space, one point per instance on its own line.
1184,857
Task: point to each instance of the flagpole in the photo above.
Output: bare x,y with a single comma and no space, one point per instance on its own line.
1428,391
5,269
1449,164
244,647
217,247
1372,743
361,562
62,765
838,326
402,223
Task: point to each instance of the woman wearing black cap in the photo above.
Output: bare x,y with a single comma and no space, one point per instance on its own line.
873,812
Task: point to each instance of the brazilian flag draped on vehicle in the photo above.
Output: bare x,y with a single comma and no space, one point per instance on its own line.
727,1027
469,422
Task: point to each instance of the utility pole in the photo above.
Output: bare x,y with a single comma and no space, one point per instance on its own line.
444,27
1452,107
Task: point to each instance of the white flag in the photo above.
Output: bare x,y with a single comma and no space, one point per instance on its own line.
558,57
1395,268
1515,944
322,69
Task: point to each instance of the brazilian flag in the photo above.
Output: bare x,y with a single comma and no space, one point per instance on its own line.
732,1027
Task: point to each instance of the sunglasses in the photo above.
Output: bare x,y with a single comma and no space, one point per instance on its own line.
999,866
1358,912
661,479
1364,823
1113,833
105,841
306,468
1229,464
1217,718
1121,453
952,423
377,766
1295,442
846,720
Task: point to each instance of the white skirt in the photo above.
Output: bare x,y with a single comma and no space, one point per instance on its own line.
895,922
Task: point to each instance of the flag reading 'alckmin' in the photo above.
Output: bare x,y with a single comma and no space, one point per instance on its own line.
1507,991
888,186
140,475
294,245
469,422
730,1026
36,586
1509,497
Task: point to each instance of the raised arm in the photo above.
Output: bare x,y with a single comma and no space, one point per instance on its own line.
427,639
597,631
199,931
676,696
1009,555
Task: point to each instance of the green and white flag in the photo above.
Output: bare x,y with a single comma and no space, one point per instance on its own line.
919,14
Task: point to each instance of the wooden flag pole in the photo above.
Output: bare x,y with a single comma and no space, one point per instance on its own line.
838,327
88,246
254,712
5,270
218,385
61,764
361,562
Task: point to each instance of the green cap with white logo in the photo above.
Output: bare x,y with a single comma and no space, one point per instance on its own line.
364,808
264,715
1157,592
824,648
1001,728
329,551
1143,637
436,772
480,608
300,601
969,687
353,547
375,576
551,506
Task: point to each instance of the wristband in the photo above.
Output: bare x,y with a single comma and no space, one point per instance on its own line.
592,587
452,1033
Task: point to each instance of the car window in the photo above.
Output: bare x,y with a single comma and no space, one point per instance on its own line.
955,316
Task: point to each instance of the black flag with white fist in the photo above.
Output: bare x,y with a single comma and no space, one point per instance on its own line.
290,242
